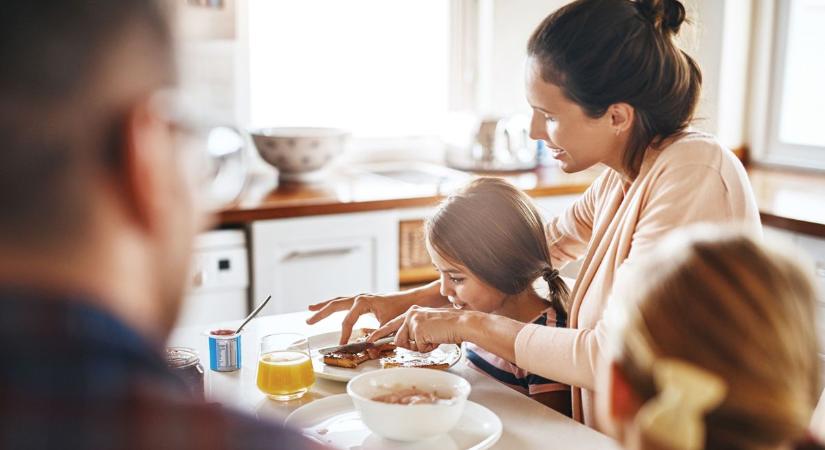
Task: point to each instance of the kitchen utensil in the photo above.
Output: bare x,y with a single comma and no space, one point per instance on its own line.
254,313
499,144
356,347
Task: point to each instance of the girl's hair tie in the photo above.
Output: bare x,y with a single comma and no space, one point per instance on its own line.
549,274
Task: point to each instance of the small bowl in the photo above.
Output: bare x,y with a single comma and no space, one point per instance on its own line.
299,153
408,422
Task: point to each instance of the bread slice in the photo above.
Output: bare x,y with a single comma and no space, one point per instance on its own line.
424,361
347,360
352,360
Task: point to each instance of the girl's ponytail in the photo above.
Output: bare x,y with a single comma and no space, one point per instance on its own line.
559,293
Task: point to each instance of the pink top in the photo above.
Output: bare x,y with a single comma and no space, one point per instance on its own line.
616,222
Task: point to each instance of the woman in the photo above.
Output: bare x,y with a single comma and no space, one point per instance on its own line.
608,85
712,346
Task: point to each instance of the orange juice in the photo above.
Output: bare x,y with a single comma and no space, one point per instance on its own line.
284,375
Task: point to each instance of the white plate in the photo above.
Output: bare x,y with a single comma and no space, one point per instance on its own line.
335,422
450,353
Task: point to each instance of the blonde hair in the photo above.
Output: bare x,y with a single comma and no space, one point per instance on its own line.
739,310
493,229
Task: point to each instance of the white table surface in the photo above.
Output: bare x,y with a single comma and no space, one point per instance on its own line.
527,423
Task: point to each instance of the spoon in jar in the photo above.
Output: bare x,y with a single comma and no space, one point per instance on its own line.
254,313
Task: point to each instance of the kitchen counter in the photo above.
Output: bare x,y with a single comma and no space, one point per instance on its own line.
792,200
346,191
527,424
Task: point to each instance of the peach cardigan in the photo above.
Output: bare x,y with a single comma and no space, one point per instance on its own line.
616,221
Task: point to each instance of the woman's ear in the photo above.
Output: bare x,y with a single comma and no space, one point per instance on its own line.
624,402
621,117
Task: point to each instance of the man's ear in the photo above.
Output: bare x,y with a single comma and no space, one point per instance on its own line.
140,179
621,117
624,402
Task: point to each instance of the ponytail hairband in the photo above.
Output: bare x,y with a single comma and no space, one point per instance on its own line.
549,274
676,416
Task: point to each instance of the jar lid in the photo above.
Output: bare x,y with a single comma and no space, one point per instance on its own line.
180,357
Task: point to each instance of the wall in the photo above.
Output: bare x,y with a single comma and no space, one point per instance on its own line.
207,57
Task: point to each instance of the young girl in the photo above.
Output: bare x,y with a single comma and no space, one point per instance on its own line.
488,244
715,348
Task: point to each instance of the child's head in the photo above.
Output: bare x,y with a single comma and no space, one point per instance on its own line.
488,242
714,346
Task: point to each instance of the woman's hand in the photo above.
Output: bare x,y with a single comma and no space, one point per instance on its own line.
384,307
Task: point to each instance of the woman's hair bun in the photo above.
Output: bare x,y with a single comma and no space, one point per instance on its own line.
666,15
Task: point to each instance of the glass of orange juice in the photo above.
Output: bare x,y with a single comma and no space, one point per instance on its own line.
284,366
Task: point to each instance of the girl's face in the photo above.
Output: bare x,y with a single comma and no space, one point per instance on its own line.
462,288
576,140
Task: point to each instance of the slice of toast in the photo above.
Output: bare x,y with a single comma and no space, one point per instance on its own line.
420,360
352,360
346,360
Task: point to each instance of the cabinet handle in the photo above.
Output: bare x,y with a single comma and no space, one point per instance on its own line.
319,253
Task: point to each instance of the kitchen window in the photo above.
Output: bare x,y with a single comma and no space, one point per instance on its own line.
380,68
794,132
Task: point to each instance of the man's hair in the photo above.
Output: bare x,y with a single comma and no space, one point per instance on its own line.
58,113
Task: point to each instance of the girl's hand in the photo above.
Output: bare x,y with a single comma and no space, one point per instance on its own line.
384,307
423,329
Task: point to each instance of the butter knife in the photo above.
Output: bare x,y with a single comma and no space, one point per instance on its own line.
356,347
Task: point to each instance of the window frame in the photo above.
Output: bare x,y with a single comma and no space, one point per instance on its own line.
770,54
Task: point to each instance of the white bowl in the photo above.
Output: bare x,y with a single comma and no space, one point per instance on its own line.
408,422
299,152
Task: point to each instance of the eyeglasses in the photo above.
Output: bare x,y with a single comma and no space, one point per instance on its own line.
214,151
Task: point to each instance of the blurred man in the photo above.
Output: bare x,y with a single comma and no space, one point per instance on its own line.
98,212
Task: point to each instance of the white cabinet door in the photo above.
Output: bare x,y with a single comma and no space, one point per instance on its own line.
779,236
305,260
815,247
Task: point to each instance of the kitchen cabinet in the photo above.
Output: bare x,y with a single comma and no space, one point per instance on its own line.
219,280
814,250
815,247
301,261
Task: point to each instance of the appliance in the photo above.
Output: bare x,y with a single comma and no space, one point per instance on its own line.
220,280
499,145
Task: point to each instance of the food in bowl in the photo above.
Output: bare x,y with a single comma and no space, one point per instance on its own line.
411,421
299,153
413,396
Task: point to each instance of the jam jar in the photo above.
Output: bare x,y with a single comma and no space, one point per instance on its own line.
185,363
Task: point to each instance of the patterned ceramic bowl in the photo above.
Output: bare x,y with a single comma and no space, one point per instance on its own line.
298,153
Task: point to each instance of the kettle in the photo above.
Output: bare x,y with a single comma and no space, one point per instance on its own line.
499,144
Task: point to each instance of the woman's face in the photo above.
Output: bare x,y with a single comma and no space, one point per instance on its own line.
462,288
576,140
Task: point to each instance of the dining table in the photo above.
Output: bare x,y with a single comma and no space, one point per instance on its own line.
526,423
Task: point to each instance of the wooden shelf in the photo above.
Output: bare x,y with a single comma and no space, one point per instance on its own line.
416,275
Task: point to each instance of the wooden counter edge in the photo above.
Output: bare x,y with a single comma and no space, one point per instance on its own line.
241,215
